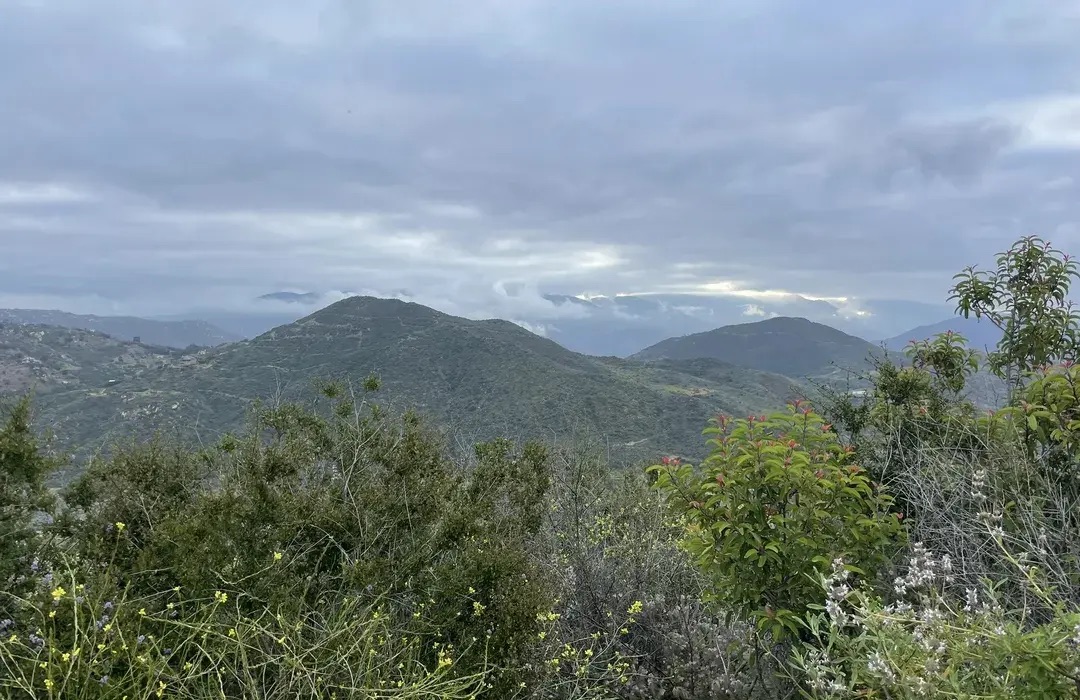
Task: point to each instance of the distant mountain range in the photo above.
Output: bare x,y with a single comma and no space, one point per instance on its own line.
624,325
173,334
479,379
617,325
293,297
980,334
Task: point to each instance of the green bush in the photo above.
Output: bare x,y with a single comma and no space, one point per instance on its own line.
357,504
1047,412
777,500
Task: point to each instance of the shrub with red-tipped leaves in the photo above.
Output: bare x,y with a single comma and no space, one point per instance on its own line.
778,499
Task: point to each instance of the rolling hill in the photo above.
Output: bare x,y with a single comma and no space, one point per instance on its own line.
980,334
172,334
794,347
479,379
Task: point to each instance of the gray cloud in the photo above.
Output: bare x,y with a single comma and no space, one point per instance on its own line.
158,157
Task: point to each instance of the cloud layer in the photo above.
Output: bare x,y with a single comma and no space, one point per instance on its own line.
160,157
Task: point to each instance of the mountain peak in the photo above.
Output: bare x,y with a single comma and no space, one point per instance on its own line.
292,297
788,345
786,323
373,308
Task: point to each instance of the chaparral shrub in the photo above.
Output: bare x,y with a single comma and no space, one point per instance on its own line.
357,504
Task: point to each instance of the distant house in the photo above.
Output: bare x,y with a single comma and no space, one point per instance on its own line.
858,396
138,339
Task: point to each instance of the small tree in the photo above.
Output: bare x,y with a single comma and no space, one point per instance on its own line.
23,498
1026,298
774,503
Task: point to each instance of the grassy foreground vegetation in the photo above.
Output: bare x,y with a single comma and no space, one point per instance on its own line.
899,545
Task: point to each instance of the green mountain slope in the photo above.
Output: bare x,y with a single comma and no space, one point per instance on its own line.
794,347
478,378
173,334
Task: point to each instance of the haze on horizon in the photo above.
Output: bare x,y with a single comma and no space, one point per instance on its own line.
159,158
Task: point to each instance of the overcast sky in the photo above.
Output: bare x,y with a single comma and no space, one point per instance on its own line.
156,155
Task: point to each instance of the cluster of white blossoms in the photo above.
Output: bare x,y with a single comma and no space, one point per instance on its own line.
837,590
924,569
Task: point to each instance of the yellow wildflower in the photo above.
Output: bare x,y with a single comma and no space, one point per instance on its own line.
58,593
277,556
120,526
220,597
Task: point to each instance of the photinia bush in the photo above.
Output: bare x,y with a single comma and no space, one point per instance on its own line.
777,499
1050,406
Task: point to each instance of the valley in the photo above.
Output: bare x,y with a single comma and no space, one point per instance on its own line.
477,379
